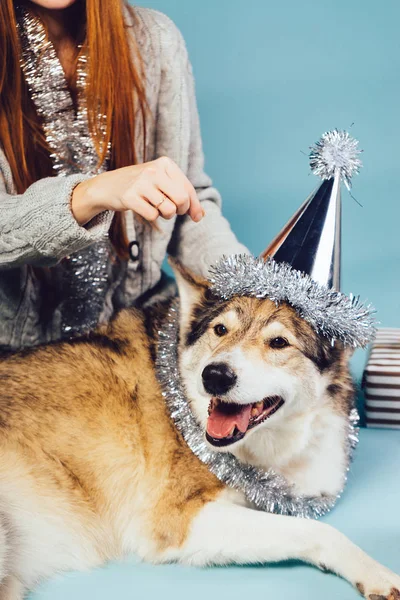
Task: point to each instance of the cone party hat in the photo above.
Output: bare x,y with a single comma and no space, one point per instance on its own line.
301,266
310,242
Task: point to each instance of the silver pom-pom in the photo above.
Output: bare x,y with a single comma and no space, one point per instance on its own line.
336,151
268,490
330,313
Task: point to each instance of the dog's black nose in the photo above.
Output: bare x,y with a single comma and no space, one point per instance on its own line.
218,378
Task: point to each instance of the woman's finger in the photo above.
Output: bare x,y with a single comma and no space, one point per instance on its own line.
175,190
141,207
196,211
158,199
187,200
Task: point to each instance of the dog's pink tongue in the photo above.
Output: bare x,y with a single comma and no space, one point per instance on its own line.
221,421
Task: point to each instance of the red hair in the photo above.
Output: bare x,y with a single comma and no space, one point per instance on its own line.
114,87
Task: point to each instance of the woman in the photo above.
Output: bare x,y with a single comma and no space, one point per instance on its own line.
101,163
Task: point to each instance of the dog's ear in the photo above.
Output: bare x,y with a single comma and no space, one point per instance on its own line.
192,289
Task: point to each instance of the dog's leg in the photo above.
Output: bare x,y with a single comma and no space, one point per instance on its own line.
224,533
11,589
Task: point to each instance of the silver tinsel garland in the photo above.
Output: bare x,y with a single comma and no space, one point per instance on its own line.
84,274
268,490
330,313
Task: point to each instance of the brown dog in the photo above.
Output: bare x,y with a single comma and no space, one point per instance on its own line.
92,467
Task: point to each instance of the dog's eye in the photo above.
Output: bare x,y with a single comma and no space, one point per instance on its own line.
278,343
220,330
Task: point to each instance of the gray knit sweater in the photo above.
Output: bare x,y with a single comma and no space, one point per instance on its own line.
37,228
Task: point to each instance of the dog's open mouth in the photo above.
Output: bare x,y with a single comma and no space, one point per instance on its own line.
228,422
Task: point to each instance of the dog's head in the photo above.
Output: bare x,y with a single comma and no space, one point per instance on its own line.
250,367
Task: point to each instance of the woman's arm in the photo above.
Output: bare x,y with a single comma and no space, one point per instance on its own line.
59,215
197,245
37,227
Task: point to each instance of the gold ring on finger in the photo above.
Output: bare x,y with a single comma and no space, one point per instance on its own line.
161,201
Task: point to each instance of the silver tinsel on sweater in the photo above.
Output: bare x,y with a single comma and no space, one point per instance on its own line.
268,490
85,273
336,151
330,313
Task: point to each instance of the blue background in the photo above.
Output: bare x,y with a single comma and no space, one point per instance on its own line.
271,78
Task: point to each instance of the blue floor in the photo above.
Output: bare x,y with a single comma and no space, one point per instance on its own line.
369,513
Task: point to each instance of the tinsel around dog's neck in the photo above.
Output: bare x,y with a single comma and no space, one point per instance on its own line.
267,490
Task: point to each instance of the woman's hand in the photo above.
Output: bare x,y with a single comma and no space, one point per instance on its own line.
153,189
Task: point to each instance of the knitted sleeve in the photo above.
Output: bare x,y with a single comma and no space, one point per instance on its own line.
37,227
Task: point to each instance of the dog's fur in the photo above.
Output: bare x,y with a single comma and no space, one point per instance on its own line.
92,468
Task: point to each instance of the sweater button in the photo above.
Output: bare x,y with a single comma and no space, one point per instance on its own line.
134,251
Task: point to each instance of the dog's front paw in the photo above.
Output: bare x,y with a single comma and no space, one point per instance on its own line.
394,594
383,585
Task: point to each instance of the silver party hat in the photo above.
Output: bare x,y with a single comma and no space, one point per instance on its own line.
302,265
310,241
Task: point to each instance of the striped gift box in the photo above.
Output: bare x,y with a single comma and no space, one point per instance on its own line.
381,380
